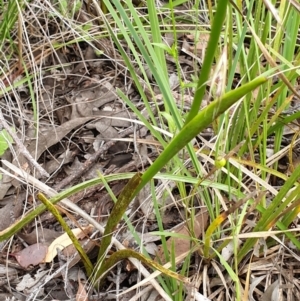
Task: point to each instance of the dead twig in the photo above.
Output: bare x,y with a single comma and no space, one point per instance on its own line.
22,148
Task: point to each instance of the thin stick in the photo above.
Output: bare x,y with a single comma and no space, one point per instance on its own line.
22,148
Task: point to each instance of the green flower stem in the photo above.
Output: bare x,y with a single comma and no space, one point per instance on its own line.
196,125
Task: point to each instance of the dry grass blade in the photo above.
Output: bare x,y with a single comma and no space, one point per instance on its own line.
273,11
295,4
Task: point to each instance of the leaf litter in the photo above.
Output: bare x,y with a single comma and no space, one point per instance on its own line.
81,123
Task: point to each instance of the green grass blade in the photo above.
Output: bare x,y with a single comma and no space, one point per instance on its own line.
86,261
208,60
265,220
116,215
126,253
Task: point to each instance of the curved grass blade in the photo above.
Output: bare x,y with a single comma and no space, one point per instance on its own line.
116,215
86,261
126,253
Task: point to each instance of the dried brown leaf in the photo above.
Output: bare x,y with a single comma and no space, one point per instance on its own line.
32,255
82,294
272,292
39,235
183,245
88,99
64,241
9,213
48,138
